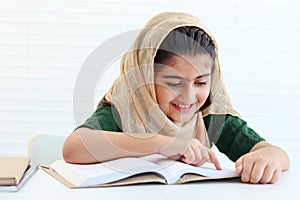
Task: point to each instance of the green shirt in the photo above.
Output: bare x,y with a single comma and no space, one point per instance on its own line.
230,134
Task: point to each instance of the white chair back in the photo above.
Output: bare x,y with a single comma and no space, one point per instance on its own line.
45,148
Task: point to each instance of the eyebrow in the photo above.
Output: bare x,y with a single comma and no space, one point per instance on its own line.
179,77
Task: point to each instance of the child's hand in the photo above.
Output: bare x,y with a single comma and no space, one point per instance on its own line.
262,165
190,151
197,154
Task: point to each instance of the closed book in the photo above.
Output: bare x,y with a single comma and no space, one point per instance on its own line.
12,170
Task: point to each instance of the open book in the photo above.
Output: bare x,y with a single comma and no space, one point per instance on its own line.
131,170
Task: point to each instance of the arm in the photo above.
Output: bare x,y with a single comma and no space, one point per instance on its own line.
91,146
263,164
256,160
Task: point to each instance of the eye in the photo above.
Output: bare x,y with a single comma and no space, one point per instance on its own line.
173,84
201,83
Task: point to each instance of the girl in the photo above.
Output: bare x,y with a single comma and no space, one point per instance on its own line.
170,99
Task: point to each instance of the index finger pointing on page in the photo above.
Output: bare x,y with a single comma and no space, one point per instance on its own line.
213,158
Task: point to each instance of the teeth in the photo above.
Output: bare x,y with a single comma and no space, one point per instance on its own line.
183,106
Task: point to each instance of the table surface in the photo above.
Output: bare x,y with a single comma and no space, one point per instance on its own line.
43,186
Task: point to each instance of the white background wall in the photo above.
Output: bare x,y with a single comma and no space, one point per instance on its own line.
43,45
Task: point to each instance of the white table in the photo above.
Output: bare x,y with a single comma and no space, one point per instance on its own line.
43,186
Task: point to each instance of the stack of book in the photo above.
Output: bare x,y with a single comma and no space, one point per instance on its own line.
14,172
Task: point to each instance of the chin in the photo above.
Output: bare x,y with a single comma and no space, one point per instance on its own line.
181,121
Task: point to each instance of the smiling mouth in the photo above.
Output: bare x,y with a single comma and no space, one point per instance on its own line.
183,107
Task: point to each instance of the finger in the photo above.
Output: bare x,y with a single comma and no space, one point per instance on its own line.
257,173
198,154
203,155
188,156
238,165
276,176
267,176
202,161
213,158
247,168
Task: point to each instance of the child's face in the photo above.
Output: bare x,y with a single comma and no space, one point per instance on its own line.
183,85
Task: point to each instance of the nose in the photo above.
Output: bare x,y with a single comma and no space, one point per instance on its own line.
187,95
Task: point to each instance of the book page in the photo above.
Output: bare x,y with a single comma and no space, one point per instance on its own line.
102,173
119,169
176,169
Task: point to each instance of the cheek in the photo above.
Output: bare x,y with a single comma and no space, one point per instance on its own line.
163,94
203,94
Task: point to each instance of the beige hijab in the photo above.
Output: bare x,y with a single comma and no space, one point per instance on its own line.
133,93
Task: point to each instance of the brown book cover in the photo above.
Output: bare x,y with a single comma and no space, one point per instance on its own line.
139,179
12,170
